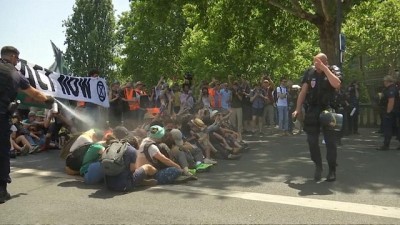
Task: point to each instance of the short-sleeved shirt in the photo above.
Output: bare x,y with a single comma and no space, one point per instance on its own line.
92,155
281,101
391,92
320,91
141,158
10,81
121,181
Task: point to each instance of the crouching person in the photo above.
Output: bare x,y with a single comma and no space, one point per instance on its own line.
149,153
120,166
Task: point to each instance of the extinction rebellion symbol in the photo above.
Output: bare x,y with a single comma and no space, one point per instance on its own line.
101,91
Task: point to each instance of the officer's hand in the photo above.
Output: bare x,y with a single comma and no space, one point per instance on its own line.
49,101
319,64
295,114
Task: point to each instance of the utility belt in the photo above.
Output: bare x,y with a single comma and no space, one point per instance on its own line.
324,116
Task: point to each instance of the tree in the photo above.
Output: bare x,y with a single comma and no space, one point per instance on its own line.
90,37
152,37
326,15
372,30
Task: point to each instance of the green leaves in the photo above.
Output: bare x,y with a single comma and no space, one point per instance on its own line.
90,37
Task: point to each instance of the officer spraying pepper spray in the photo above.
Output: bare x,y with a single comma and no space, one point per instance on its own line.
11,82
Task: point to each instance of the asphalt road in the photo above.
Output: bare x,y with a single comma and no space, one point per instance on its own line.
271,184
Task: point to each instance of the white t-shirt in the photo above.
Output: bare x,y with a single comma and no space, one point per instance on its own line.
281,101
13,128
141,157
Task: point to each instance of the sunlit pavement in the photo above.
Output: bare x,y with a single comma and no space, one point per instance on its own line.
271,183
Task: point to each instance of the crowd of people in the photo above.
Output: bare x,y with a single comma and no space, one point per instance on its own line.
172,131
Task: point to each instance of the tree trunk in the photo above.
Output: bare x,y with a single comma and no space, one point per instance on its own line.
329,40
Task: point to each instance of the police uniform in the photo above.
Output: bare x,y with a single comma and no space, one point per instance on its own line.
389,119
320,97
10,81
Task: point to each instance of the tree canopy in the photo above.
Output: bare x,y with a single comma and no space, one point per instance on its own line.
90,37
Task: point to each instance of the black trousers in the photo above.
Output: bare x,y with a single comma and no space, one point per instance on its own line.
330,137
5,146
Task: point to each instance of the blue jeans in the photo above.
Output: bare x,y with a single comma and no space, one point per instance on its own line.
283,116
94,174
167,175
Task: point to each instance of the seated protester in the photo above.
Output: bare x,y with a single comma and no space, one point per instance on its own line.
200,132
217,138
30,120
78,149
42,125
91,169
35,136
133,175
193,154
18,140
87,137
149,153
182,158
55,122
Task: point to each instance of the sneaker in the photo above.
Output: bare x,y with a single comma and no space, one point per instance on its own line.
192,171
317,173
33,149
331,176
209,161
4,196
203,167
25,150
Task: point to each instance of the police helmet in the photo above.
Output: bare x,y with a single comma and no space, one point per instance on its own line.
331,120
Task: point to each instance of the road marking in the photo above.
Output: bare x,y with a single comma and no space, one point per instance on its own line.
373,210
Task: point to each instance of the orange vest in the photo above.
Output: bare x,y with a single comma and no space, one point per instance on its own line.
130,94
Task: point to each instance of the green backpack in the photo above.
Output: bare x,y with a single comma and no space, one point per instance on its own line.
112,158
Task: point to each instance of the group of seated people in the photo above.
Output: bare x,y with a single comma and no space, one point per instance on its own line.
35,133
164,150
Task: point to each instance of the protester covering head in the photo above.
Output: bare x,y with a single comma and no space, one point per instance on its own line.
156,132
177,136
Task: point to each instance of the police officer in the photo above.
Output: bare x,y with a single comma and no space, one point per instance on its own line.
318,88
11,81
390,103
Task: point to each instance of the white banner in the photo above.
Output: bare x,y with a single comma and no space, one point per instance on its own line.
87,89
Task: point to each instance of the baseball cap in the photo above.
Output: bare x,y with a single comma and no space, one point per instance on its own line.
31,113
156,132
177,136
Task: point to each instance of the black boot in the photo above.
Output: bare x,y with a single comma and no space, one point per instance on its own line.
318,173
4,195
332,174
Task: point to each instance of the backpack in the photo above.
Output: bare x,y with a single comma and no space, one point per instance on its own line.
154,162
112,159
275,94
74,159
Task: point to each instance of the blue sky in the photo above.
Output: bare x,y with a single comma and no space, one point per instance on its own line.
29,25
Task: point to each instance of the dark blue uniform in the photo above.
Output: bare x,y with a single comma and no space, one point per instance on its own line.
320,96
10,81
389,120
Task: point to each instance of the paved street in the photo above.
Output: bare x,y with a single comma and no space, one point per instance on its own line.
270,184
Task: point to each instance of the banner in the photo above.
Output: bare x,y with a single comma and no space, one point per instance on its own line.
87,89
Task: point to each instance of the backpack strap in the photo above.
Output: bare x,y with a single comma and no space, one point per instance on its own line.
146,152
